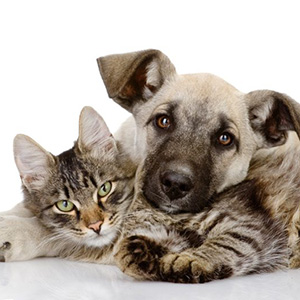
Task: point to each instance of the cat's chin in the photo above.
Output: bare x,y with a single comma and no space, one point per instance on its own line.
95,240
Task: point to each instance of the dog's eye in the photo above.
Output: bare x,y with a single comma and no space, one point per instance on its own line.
163,122
226,139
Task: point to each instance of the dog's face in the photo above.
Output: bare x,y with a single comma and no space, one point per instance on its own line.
197,141
196,134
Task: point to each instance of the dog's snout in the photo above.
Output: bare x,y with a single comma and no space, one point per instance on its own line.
175,185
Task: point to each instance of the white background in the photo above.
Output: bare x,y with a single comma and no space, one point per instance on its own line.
48,72
48,52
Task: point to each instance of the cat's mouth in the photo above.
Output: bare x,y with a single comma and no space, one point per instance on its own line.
105,237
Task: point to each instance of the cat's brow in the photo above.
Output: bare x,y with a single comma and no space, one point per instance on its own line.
93,181
47,207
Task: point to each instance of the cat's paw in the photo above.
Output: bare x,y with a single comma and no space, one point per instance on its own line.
19,238
190,268
182,268
6,228
294,261
4,248
139,256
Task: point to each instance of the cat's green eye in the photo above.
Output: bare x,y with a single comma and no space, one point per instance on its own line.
65,205
105,189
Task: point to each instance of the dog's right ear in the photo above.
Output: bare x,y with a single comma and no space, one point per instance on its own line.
133,78
272,115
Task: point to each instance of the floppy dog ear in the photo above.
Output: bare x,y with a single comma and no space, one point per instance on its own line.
271,115
133,78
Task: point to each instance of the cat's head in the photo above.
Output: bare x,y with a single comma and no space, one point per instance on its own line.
83,193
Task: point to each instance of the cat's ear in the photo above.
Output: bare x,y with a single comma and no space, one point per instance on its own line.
33,162
94,135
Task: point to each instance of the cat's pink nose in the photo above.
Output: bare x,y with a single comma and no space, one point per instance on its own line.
96,227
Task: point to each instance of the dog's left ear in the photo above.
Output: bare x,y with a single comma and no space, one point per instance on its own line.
131,79
271,115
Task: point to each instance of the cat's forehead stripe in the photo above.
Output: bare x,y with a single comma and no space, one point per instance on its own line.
93,181
66,191
72,170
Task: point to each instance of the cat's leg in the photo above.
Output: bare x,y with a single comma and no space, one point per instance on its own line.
23,239
294,240
294,262
144,258
192,266
225,255
139,256
19,210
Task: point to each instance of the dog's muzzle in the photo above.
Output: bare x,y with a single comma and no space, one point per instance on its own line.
176,179
175,185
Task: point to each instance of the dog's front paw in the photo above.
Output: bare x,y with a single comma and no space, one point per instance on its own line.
139,256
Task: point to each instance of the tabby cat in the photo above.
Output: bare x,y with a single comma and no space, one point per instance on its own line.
81,195
84,199
235,235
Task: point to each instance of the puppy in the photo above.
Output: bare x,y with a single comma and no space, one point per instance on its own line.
196,133
196,136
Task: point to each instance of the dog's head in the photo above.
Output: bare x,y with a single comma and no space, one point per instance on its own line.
195,134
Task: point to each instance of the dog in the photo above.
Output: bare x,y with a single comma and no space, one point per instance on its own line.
196,136
196,133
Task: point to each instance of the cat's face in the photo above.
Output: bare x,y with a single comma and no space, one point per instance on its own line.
84,198
82,194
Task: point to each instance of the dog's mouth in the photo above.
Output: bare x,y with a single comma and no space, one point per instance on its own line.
175,185
192,202
158,202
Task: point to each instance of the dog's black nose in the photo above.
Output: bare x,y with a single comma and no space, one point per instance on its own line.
175,185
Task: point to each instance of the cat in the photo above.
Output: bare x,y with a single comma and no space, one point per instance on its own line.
234,236
79,196
277,177
84,200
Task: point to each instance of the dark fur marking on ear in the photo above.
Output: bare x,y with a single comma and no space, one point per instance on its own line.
135,87
278,123
272,114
